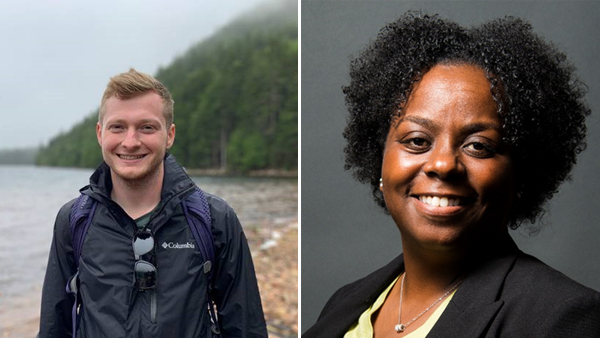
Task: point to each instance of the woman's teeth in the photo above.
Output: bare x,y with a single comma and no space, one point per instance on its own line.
440,201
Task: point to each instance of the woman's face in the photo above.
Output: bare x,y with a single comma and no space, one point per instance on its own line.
447,176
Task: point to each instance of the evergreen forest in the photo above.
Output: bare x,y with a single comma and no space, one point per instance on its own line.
236,100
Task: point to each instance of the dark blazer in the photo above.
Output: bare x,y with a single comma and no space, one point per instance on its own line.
510,294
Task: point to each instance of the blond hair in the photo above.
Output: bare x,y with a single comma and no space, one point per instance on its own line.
133,83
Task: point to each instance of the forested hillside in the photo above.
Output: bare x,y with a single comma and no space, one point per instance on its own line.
236,97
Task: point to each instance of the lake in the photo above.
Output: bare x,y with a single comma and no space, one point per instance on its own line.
30,198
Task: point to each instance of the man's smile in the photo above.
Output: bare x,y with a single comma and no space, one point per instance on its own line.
130,157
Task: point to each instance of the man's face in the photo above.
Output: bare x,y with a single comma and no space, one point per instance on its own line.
134,137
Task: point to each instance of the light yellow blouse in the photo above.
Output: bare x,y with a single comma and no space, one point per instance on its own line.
364,328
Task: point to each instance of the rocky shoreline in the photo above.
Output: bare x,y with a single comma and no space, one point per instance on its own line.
267,173
277,273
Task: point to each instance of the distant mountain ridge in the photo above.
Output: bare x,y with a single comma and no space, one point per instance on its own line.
20,156
236,99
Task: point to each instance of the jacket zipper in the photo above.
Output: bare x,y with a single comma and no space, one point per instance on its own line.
112,205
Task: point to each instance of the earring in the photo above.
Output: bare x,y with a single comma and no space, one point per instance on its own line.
381,182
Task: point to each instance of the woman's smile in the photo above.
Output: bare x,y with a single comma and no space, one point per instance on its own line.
442,202
440,206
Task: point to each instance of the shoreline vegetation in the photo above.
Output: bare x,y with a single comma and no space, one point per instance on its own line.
263,173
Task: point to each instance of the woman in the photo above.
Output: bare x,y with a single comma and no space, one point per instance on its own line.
462,133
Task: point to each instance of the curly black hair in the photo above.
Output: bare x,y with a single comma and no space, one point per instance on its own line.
538,97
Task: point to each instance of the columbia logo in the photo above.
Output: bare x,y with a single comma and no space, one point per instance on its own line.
172,245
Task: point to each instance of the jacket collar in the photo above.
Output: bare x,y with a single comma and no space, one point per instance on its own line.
176,186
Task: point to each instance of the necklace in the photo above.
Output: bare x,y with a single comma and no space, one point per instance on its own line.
401,327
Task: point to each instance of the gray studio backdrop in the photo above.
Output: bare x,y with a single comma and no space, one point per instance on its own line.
344,234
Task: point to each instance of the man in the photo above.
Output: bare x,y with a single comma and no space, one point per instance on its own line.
138,190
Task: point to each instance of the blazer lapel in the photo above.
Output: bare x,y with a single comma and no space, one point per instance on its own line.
352,300
471,323
477,301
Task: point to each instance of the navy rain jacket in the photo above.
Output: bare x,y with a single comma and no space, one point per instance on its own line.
113,307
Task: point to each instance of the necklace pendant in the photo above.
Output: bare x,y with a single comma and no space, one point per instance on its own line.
400,328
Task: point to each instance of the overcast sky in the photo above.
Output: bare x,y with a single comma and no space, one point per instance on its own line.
58,55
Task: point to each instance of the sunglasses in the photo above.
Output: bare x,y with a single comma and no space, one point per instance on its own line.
144,271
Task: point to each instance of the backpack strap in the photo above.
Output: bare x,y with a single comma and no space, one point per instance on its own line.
197,214
80,218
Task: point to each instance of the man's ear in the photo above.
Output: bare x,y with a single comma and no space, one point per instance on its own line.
99,133
170,136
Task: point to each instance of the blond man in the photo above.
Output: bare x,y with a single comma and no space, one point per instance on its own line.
139,270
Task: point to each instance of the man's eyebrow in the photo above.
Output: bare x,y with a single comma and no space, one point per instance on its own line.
142,121
149,121
113,121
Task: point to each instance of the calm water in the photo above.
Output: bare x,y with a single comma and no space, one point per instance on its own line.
31,196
